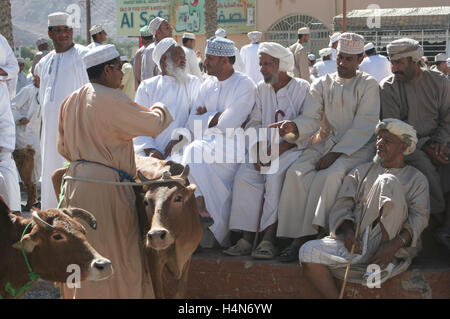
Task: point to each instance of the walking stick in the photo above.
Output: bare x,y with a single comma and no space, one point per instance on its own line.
347,270
258,226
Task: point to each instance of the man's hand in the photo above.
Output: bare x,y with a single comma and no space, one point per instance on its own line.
327,160
215,120
286,127
386,253
153,153
170,145
201,110
346,229
24,121
2,72
438,153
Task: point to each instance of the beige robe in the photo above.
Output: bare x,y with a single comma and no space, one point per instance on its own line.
301,67
402,196
138,65
424,104
352,108
98,124
128,80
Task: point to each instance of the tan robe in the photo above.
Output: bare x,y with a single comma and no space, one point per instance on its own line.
98,124
301,68
401,194
352,108
424,104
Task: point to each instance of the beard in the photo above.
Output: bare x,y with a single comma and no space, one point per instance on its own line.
180,75
272,79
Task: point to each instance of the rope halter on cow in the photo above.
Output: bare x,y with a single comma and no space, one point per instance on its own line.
31,274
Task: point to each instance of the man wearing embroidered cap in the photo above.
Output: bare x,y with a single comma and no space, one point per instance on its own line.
396,211
375,64
345,106
326,66
278,91
42,46
97,124
421,98
174,87
249,54
146,39
333,44
300,53
160,29
192,65
9,180
238,64
98,35
225,100
61,72
440,64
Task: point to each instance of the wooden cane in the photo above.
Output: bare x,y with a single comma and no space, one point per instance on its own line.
258,226
347,270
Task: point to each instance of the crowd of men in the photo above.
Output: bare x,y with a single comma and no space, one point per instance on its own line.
362,143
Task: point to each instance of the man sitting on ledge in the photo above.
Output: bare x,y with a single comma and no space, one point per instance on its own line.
392,199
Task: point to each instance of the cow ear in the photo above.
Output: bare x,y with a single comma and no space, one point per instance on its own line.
189,191
28,244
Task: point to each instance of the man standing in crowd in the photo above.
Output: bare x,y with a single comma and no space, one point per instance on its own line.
298,49
147,39
249,54
127,85
333,44
9,180
61,72
97,124
348,102
238,64
98,35
160,29
326,66
192,65
42,45
374,64
440,64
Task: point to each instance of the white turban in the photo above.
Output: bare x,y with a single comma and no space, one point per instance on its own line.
369,46
405,132
254,36
221,33
304,30
351,43
403,48
325,52
155,24
161,48
279,52
441,57
334,38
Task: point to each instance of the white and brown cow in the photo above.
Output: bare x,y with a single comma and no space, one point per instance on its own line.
174,230
53,241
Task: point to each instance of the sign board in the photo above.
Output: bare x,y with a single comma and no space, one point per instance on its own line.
235,16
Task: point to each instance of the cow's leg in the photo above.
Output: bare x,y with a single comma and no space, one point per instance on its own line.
181,290
156,271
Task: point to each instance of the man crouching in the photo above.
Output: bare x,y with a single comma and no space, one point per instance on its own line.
395,210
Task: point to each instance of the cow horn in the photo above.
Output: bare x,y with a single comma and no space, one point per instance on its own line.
185,173
84,215
142,177
38,220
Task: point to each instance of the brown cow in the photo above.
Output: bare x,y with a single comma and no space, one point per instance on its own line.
54,241
174,229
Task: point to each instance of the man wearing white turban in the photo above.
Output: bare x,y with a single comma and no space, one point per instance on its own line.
326,66
375,64
225,101
61,72
394,201
249,54
421,98
176,89
254,187
334,38
298,49
160,29
348,103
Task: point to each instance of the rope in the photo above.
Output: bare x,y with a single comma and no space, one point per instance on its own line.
32,275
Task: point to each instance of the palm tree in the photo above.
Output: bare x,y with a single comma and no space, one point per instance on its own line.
210,18
5,21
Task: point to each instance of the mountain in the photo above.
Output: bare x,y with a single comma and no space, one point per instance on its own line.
29,17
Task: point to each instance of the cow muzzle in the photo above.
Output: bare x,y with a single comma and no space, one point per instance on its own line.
159,239
100,269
